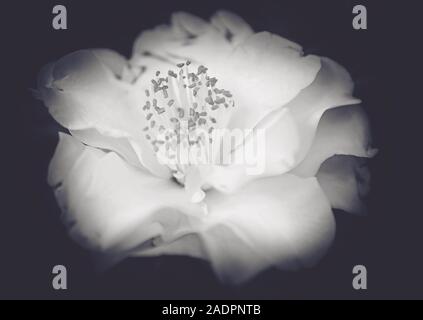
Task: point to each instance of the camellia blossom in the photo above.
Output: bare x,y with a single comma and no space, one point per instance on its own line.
134,174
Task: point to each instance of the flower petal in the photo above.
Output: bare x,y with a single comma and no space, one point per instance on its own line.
190,37
81,92
257,157
67,152
109,206
345,181
136,151
283,221
263,73
84,95
231,26
186,37
343,130
332,88
113,207
121,146
113,61
289,131
187,24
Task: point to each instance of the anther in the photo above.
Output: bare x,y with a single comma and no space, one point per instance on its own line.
170,130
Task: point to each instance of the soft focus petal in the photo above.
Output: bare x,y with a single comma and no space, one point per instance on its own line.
112,60
289,131
345,181
263,73
191,37
188,25
162,39
83,93
136,151
113,207
68,150
283,221
187,37
121,146
332,88
233,27
343,130
257,157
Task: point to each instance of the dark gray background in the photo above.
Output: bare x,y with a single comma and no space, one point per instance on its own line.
381,61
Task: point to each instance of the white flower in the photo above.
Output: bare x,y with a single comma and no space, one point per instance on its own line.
119,192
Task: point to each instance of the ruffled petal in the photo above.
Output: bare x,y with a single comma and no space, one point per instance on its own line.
282,221
160,40
112,60
136,151
84,94
345,181
121,146
187,37
289,131
263,73
257,157
81,92
67,152
343,130
233,27
190,37
332,88
112,207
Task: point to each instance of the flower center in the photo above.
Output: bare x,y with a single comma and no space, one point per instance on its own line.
182,110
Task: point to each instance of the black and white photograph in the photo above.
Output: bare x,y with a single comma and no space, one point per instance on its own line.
224,151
